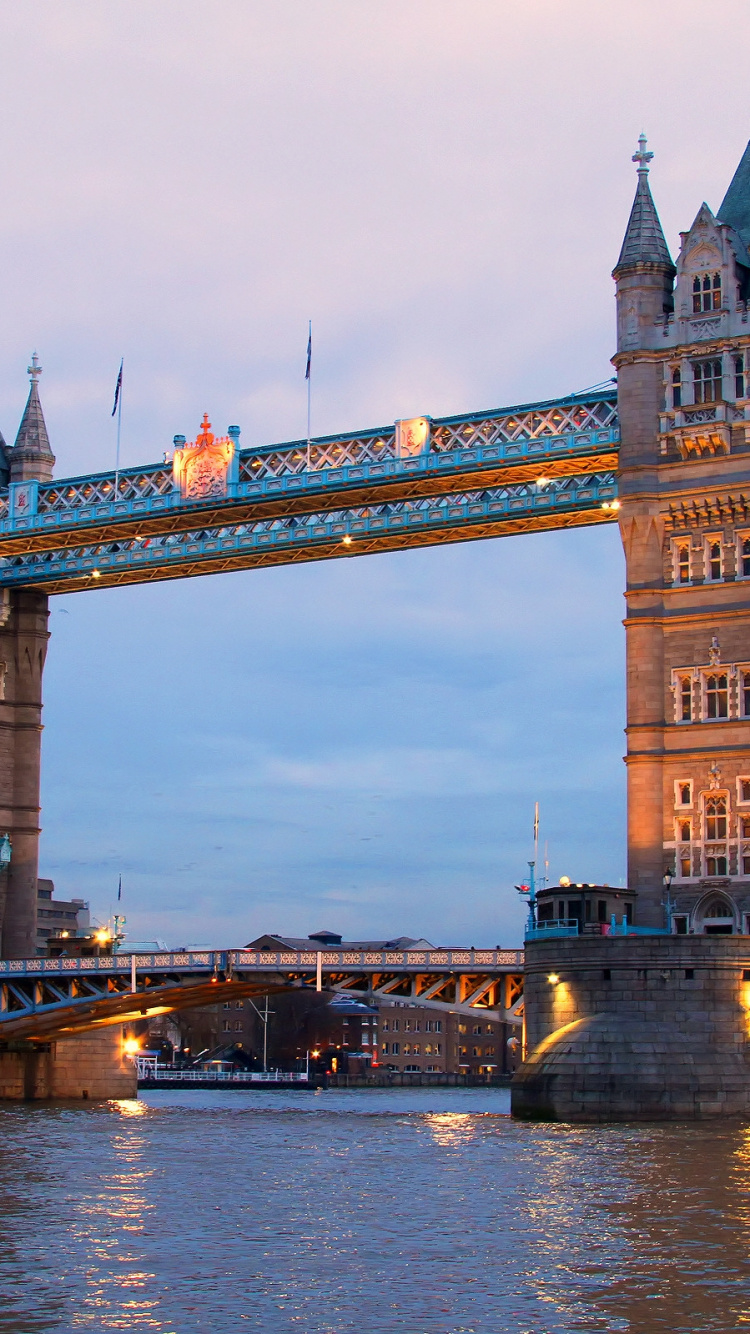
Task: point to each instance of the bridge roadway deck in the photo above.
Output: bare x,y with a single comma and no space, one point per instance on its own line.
488,474
43,999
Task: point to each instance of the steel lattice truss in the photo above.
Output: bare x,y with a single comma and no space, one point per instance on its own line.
545,465
44,999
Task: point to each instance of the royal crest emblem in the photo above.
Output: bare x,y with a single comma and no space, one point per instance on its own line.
201,469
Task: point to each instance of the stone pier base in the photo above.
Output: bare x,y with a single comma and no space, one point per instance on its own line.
89,1066
635,1028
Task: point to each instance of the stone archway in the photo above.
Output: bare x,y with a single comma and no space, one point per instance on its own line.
715,915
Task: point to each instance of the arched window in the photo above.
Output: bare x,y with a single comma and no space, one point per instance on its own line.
706,292
717,696
686,699
718,908
686,795
683,563
716,864
676,387
707,381
685,831
714,560
716,819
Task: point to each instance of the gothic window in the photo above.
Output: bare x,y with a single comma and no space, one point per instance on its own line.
685,865
716,865
739,377
683,563
745,826
684,829
745,703
716,818
745,789
746,863
745,557
686,699
714,560
717,696
718,907
706,293
685,794
707,381
676,387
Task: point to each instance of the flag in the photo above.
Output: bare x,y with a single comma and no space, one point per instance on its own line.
118,387
309,354
119,890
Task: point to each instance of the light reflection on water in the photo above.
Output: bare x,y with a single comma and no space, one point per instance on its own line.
381,1212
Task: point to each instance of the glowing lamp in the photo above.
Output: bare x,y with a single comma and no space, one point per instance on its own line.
553,978
130,1046
347,541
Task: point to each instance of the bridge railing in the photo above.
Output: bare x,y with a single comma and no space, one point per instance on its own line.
577,424
202,961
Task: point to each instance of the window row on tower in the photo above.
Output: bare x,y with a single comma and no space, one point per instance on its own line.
709,839
709,561
708,694
709,380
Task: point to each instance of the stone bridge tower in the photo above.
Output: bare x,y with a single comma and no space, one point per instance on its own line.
683,364
23,647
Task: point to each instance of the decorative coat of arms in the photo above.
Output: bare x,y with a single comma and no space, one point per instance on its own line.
201,469
412,437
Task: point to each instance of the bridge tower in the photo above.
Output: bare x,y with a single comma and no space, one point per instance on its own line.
23,646
683,365
631,1026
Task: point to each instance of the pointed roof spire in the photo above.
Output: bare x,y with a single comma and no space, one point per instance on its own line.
735,206
644,241
32,455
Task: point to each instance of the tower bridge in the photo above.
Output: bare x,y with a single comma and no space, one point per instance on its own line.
667,456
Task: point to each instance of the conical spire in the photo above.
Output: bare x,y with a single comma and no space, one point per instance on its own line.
32,455
735,207
644,239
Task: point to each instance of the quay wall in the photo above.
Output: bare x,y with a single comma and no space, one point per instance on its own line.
635,1028
87,1066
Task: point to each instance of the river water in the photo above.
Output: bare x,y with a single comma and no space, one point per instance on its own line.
427,1211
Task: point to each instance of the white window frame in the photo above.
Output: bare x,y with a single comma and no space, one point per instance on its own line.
679,783
742,801
741,538
715,539
721,669
679,544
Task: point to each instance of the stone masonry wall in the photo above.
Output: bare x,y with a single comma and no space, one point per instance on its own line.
89,1066
636,1028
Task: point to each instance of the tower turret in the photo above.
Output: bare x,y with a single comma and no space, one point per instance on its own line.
644,273
31,457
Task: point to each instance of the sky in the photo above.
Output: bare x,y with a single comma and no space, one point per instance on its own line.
442,186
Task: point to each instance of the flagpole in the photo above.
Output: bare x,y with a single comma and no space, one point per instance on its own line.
309,385
119,426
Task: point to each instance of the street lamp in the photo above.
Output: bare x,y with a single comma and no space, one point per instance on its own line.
668,902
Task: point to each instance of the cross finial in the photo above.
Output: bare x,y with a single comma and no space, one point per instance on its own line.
642,157
34,370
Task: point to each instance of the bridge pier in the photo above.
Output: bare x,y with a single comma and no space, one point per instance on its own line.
90,1066
23,648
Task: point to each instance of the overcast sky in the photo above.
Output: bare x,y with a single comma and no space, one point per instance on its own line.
442,186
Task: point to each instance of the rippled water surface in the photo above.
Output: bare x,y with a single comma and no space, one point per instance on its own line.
407,1210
